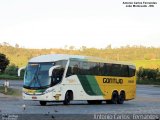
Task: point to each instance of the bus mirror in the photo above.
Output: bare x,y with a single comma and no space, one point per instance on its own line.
20,69
51,69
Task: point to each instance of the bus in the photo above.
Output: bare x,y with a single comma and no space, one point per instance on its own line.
62,77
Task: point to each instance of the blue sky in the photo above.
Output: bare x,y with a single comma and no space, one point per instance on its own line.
91,23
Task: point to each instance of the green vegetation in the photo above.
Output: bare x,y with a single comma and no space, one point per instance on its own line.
11,70
148,76
11,91
137,54
3,62
146,58
10,77
10,73
147,63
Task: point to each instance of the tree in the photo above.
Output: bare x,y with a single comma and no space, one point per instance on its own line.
3,62
71,47
109,46
16,45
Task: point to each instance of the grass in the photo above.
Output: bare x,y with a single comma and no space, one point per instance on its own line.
148,82
11,91
153,64
10,77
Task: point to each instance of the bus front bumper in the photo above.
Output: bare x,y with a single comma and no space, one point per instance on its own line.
42,97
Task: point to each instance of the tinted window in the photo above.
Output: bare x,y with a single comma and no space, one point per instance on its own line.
107,70
124,71
99,69
73,68
62,63
115,70
132,70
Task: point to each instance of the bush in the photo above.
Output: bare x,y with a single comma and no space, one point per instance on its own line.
10,77
148,76
12,70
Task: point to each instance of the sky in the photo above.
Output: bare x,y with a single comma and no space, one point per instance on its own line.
90,23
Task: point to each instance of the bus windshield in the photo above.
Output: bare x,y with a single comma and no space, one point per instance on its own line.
36,75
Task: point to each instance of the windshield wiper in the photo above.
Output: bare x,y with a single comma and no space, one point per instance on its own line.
35,78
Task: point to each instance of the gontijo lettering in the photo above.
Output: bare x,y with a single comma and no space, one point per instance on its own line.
113,80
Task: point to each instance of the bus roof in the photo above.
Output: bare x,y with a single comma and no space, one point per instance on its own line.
57,57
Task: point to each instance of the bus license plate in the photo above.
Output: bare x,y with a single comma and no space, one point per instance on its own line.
34,97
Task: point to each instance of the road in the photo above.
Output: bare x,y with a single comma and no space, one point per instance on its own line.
13,83
147,102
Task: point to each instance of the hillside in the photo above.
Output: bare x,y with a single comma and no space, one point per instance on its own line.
147,57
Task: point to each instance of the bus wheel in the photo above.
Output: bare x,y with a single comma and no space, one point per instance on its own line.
67,98
121,98
114,99
43,103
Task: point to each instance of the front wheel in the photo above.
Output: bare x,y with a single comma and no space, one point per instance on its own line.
43,103
67,99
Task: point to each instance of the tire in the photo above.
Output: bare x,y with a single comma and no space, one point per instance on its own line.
114,99
67,98
43,103
121,98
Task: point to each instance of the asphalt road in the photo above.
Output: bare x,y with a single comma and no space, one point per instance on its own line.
13,83
146,102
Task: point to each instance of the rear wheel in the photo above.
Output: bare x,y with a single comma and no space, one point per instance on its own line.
43,103
114,99
121,98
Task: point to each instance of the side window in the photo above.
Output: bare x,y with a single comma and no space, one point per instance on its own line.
101,69
119,70
94,68
84,68
116,70
124,70
132,70
107,69
89,68
73,68
62,63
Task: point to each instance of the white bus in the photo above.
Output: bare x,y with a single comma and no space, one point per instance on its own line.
61,77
